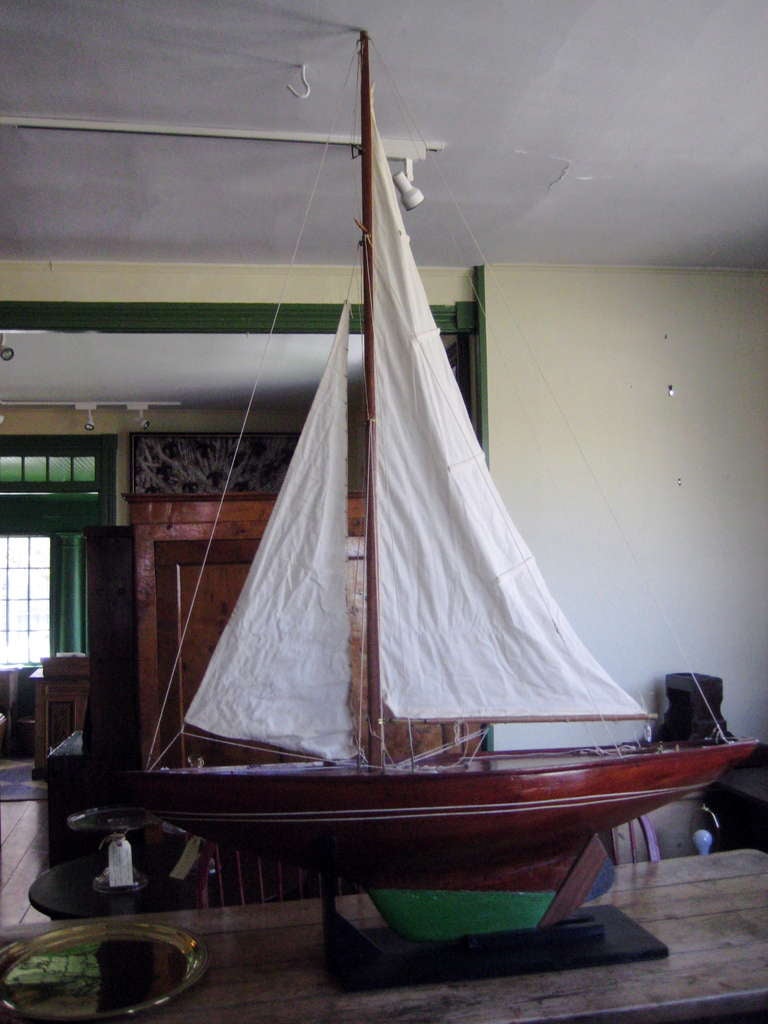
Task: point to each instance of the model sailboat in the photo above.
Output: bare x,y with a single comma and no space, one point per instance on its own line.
460,627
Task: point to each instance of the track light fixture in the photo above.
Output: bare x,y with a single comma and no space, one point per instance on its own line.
6,352
89,425
410,196
140,408
141,414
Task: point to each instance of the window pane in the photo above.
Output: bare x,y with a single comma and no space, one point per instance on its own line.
18,616
18,584
39,645
38,615
40,551
84,467
15,650
18,551
59,468
39,584
10,467
35,468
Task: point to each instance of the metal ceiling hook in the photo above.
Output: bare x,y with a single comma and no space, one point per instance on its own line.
305,83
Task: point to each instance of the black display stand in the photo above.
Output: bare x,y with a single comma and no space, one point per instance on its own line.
376,958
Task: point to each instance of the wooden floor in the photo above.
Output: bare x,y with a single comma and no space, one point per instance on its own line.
23,856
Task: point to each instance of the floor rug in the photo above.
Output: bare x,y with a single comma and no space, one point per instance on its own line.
16,782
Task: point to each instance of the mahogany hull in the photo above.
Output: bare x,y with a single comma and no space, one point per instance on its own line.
497,822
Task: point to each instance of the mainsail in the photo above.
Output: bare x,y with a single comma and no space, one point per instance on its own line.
467,626
280,672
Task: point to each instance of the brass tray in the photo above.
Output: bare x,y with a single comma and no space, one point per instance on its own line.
98,969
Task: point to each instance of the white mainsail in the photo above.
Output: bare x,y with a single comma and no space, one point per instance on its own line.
280,672
467,626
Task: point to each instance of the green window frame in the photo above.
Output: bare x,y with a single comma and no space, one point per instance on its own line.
55,485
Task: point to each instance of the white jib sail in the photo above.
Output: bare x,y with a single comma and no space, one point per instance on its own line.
280,672
468,628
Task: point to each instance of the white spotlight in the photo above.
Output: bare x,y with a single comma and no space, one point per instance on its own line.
410,196
89,425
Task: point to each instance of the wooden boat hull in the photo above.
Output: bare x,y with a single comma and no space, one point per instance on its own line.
503,821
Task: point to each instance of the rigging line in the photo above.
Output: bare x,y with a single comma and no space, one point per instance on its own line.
478,734
164,751
255,746
225,489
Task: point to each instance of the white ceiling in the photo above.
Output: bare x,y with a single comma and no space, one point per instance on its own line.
575,131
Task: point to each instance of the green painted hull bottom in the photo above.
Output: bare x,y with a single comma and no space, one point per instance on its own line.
440,915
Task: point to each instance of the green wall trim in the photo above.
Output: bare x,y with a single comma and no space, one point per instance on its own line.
201,317
466,317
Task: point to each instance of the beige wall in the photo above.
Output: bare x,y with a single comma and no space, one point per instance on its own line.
648,514
37,281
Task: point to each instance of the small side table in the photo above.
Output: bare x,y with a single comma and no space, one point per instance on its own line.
66,890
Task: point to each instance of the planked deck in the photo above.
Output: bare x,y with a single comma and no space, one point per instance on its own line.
23,855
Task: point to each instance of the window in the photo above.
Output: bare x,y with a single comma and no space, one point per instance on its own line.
53,469
51,487
25,588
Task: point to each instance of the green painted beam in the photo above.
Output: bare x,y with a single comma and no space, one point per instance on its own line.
199,317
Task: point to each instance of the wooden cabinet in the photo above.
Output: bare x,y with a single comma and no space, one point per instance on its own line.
60,705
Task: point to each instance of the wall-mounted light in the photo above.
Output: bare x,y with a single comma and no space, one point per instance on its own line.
410,196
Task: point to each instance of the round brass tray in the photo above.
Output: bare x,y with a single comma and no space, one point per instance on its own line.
98,969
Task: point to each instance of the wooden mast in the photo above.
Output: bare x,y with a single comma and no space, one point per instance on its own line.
375,725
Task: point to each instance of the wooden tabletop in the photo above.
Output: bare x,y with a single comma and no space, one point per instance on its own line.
712,913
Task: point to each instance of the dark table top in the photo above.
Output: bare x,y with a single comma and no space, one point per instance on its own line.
66,890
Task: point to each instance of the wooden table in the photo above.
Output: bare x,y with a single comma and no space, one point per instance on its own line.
712,912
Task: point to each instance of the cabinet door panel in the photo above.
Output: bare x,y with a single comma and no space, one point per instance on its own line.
186,639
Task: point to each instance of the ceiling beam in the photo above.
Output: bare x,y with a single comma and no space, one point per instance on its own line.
396,149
